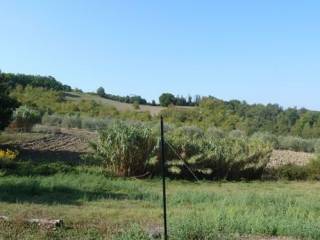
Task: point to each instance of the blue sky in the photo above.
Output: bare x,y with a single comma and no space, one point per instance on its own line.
258,51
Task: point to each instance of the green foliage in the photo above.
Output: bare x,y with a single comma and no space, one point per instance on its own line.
167,99
133,233
291,172
127,99
47,82
101,92
71,122
296,144
231,115
313,168
7,105
267,138
310,171
136,105
125,148
215,158
25,117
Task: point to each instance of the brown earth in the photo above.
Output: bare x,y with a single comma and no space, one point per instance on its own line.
283,157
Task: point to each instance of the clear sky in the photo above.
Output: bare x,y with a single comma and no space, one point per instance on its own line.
258,51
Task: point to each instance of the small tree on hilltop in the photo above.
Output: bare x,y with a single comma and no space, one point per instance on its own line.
101,92
166,99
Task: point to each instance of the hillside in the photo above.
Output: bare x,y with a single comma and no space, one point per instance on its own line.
47,95
120,106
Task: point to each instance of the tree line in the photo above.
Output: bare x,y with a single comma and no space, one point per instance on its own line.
12,80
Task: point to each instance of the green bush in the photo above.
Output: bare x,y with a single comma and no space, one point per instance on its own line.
215,158
291,172
95,124
125,148
51,120
25,117
213,132
71,122
313,168
296,144
237,134
267,138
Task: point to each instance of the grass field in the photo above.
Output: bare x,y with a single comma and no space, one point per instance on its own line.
52,182
96,207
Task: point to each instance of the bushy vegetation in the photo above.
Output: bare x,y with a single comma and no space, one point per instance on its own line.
7,158
231,158
24,118
47,82
7,105
310,171
231,115
297,144
125,148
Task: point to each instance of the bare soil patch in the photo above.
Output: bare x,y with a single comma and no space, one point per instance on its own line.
283,157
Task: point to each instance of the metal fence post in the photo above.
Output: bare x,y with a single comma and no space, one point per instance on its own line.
164,196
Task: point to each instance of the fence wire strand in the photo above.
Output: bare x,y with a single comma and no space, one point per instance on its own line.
184,162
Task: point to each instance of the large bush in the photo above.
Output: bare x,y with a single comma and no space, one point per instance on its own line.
125,148
297,144
25,118
215,158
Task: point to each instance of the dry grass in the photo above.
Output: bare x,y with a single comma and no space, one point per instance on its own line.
154,110
283,157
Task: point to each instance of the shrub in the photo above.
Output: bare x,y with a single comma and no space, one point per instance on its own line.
125,148
317,146
214,158
267,138
71,122
237,134
214,132
7,158
25,118
51,120
136,105
296,144
313,168
95,124
291,172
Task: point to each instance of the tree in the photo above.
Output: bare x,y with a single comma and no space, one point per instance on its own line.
166,99
7,106
101,92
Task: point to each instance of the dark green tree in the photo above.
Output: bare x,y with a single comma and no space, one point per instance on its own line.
7,105
101,92
166,99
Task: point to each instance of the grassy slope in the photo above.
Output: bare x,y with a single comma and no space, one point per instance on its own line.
154,110
95,207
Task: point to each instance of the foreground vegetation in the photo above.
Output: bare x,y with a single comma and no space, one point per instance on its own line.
96,207
214,140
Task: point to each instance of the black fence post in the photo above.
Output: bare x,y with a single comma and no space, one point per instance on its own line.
164,196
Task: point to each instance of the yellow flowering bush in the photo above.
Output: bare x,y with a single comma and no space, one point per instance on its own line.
7,155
